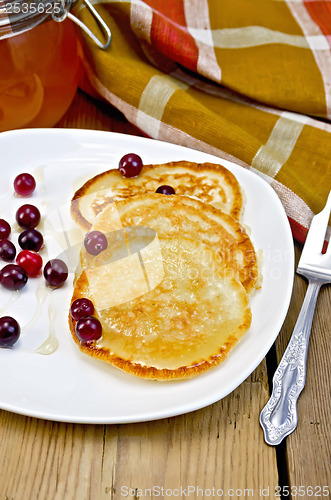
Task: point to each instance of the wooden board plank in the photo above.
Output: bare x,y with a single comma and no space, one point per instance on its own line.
220,447
88,113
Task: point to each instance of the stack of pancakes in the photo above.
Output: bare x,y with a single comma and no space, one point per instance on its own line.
172,288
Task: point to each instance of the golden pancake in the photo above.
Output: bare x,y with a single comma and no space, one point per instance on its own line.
208,182
185,324
180,216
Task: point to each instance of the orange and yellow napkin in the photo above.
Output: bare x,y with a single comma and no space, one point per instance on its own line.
245,80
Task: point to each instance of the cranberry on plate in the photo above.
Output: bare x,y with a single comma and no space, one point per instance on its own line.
7,250
5,229
24,184
30,261
56,272
28,216
130,165
13,277
165,190
80,308
95,242
88,329
9,331
31,239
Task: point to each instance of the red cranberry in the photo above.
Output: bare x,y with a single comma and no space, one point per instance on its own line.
5,229
31,239
28,216
7,250
55,272
9,331
81,307
88,328
24,184
165,190
30,261
95,242
13,277
130,165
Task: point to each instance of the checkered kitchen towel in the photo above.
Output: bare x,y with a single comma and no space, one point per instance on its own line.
245,80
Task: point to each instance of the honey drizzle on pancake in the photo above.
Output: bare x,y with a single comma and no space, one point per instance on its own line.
186,324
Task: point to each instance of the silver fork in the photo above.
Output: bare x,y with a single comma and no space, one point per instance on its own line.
279,416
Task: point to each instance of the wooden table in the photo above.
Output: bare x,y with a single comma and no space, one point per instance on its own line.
218,447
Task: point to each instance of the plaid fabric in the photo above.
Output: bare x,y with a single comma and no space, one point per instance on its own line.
245,80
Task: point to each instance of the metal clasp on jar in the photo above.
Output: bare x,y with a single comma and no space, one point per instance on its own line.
63,11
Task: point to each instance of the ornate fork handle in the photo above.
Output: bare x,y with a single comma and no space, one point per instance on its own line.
279,416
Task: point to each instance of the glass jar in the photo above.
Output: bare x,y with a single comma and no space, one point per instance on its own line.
39,62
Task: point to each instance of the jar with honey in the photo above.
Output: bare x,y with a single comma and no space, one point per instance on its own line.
39,61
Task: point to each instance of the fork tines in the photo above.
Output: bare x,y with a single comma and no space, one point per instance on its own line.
312,259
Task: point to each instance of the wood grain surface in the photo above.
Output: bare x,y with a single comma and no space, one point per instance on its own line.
220,447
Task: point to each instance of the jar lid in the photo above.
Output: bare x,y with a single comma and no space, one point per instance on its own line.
18,16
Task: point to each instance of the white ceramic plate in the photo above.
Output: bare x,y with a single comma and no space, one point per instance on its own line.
68,385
